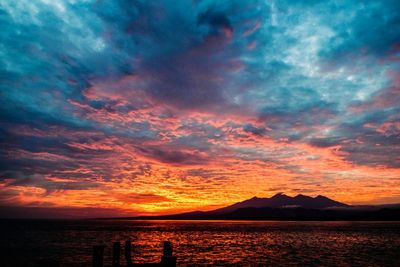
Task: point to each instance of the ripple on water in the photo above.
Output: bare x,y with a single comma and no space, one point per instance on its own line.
222,243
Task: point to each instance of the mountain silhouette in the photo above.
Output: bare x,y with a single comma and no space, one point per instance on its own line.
283,207
281,200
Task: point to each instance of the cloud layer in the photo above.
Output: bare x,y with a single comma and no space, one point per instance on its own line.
161,106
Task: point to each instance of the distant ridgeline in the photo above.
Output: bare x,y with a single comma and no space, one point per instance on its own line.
283,207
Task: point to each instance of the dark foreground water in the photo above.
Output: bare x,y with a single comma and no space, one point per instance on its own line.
199,243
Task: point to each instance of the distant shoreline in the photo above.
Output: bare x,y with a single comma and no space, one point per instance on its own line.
280,214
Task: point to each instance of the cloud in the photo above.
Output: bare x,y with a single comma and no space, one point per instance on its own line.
191,98
144,198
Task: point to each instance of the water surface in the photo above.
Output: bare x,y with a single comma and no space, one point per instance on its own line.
212,243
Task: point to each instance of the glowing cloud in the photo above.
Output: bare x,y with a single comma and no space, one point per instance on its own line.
138,107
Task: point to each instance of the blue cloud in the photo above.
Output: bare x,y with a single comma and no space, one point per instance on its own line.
284,64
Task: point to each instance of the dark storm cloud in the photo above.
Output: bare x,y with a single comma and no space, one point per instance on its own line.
216,20
362,33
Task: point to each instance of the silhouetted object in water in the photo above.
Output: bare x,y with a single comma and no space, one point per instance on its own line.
128,257
116,254
98,252
167,259
167,251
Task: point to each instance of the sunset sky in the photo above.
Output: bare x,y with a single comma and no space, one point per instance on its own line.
155,107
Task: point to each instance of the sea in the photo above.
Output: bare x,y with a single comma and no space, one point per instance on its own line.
203,243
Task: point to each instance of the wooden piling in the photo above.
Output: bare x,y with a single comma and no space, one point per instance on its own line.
116,254
128,247
167,260
167,249
98,252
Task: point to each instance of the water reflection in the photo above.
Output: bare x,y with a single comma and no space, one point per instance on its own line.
207,243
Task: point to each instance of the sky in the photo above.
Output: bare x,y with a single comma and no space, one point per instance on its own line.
117,108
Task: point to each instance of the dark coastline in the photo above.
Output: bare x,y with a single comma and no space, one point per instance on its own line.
280,214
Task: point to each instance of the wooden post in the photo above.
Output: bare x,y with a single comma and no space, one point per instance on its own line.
116,254
98,252
167,250
167,260
128,258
